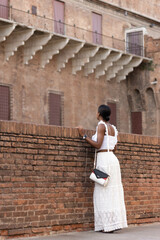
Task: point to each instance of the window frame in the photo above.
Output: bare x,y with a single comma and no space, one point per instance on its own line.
56,21
100,34
4,10
34,10
134,30
10,101
61,106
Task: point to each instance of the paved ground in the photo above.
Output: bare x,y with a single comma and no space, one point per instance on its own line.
143,232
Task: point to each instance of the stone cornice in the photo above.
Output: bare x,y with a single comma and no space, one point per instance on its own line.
91,58
124,10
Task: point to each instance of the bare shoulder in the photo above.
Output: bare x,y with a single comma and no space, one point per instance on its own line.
101,127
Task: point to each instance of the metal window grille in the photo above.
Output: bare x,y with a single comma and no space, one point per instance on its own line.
4,103
55,109
134,43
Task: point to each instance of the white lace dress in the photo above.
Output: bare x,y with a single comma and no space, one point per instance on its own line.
109,206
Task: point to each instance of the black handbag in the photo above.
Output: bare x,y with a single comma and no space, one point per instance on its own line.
99,177
100,174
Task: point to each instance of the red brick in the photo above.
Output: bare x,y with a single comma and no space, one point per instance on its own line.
42,183
4,232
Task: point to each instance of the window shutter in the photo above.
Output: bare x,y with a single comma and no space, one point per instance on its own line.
136,122
4,10
4,103
113,117
59,17
55,109
97,28
135,43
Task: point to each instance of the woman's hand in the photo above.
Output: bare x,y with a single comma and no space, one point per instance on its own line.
100,136
81,131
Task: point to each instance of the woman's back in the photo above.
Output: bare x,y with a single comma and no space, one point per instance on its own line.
110,137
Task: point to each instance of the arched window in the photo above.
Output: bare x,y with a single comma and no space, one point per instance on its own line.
137,100
151,104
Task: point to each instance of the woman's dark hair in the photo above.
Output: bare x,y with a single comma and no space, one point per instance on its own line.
105,112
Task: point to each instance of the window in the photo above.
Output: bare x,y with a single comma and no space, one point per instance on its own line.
59,17
135,41
55,117
4,103
113,117
4,10
136,122
34,10
97,28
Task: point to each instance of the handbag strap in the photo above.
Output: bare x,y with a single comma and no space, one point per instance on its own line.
95,159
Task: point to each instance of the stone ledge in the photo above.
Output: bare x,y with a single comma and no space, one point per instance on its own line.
60,131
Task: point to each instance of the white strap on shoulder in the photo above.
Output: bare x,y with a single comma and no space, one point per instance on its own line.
101,122
107,136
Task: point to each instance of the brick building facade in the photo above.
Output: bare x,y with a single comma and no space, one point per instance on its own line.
60,61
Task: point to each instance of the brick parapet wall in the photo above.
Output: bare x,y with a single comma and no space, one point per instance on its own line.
44,185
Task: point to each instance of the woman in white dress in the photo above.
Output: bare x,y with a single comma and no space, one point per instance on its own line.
109,206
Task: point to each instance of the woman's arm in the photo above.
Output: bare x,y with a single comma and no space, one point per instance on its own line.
100,135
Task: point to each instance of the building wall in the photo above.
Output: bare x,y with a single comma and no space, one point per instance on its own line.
147,7
44,179
114,22
30,84
145,80
81,17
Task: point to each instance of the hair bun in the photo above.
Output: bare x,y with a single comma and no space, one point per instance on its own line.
107,118
105,112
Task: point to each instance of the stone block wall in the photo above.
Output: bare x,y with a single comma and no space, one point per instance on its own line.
30,86
147,8
145,82
44,179
80,95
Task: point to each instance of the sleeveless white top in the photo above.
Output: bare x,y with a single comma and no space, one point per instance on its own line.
109,142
